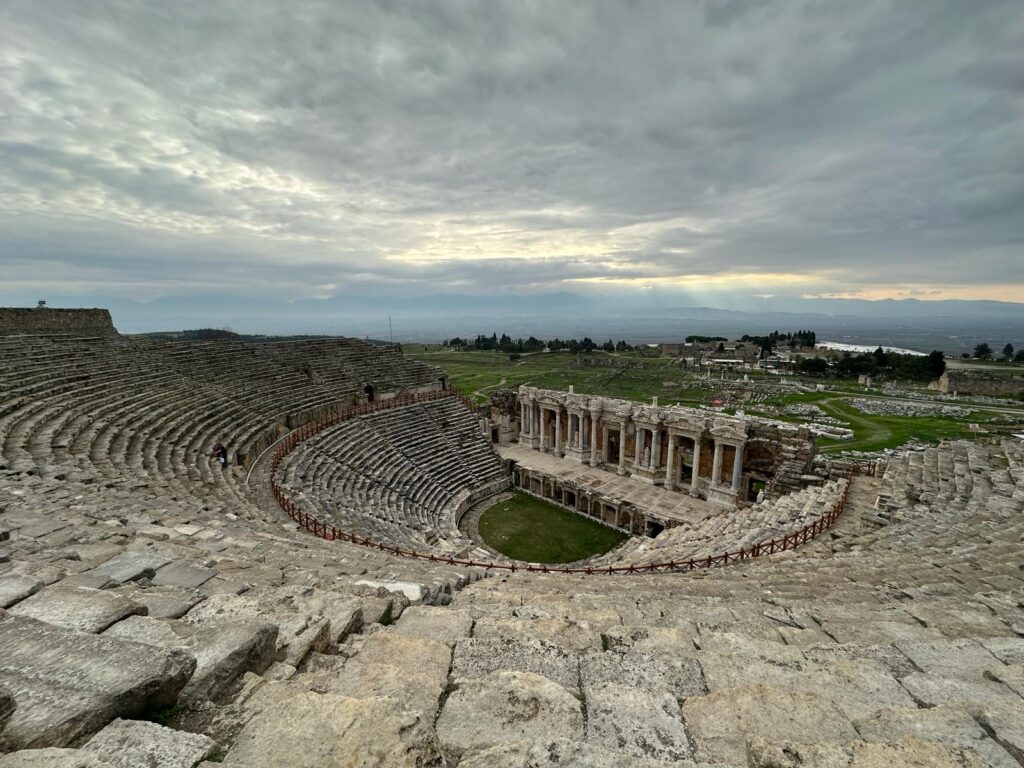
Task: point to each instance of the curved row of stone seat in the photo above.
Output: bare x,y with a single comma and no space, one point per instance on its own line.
734,530
395,475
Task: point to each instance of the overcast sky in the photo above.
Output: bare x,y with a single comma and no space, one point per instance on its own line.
871,149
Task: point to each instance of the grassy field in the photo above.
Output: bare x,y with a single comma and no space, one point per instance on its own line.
526,528
480,373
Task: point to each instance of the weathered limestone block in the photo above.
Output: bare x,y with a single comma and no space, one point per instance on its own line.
311,730
558,754
79,608
571,635
14,588
6,707
889,656
948,725
68,684
163,602
972,695
446,625
507,706
910,752
670,641
427,656
413,592
183,574
53,757
132,566
223,650
476,658
1009,650
134,743
1006,724
721,723
952,658
638,722
680,676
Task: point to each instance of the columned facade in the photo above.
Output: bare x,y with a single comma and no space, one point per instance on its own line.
683,449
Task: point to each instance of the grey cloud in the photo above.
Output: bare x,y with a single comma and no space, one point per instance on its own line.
286,147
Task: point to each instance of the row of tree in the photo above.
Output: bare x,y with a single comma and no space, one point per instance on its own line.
793,339
506,343
984,352
878,364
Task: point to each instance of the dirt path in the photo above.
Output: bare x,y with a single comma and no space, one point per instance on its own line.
480,392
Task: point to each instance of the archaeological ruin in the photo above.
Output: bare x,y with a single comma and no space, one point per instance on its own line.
256,554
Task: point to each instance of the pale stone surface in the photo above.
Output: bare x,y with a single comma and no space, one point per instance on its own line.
163,602
681,676
571,635
1010,675
910,752
6,707
413,592
446,625
721,723
952,658
475,658
68,684
1006,724
426,656
134,743
311,730
933,690
948,725
226,650
183,574
670,641
1009,650
507,706
889,656
640,723
53,757
79,608
559,753
150,631
132,566
14,588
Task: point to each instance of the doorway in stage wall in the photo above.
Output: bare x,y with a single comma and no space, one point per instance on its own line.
614,446
370,392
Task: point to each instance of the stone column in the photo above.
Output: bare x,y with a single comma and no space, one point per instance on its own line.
696,466
558,432
543,429
524,428
594,426
640,444
622,447
737,468
716,467
655,449
670,464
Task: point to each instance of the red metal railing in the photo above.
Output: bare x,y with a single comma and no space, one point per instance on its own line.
330,533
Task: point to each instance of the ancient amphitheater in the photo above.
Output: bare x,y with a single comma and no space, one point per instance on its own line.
320,601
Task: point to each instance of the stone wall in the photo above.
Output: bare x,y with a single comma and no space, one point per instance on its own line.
44,322
966,383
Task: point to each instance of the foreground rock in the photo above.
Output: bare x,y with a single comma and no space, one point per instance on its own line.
81,608
67,685
910,752
507,707
53,757
134,743
557,754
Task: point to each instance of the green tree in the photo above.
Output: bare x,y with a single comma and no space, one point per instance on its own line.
1019,357
1008,351
983,351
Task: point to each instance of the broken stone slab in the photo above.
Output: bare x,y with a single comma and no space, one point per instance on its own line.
183,574
53,757
134,743
14,588
950,658
638,722
476,658
1006,725
163,602
78,608
311,730
860,754
150,631
68,684
507,706
889,656
681,676
131,566
446,625
1009,650
721,723
89,579
972,695
560,753
571,635
660,641
949,725
427,656
413,592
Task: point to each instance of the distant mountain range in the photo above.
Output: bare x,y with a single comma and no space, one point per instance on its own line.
950,325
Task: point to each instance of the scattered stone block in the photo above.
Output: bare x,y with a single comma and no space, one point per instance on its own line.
163,602
681,676
446,625
14,588
183,574
311,730
721,723
972,695
68,684
476,658
638,722
131,566
504,707
412,591
79,608
134,743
